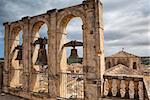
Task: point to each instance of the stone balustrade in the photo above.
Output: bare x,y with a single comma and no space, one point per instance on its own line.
127,88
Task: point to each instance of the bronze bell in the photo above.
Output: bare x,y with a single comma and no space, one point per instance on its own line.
74,58
42,55
74,53
19,55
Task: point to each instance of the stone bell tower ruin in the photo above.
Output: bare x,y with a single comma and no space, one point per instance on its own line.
20,73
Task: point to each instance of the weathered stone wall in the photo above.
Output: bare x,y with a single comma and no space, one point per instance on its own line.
91,13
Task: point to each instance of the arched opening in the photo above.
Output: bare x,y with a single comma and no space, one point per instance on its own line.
109,64
134,65
16,59
74,33
39,80
71,64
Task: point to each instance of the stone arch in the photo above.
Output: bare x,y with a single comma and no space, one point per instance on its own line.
16,26
35,29
16,65
15,29
37,22
67,15
64,18
35,77
36,25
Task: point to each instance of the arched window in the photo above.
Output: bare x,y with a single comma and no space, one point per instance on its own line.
109,64
134,65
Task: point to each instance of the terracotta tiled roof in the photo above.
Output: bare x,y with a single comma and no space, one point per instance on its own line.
122,70
122,54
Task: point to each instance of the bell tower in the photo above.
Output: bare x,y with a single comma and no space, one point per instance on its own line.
91,14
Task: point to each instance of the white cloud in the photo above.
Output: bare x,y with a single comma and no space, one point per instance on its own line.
126,22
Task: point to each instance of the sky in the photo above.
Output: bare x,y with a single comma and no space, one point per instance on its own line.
126,22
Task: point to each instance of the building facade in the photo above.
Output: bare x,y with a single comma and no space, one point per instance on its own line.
126,77
124,58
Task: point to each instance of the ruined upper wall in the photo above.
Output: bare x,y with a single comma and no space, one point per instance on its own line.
53,11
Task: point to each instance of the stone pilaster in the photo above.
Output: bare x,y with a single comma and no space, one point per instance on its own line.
94,54
52,41
52,54
6,58
26,43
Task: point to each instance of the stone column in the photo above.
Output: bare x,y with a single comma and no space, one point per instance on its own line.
26,73
106,87
114,87
122,88
94,55
140,92
6,58
52,54
131,89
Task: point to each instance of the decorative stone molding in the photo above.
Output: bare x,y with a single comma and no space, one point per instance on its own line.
122,88
131,89
114,87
